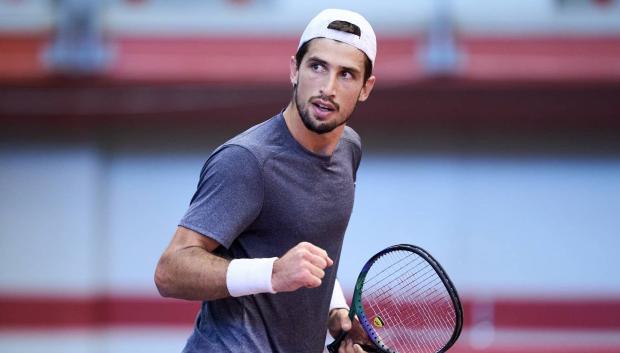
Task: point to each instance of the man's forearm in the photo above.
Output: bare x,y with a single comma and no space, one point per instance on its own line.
189,270
192,273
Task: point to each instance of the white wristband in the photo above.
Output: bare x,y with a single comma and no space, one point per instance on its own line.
338,300
249,276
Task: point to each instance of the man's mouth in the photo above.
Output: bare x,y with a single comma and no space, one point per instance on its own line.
324,106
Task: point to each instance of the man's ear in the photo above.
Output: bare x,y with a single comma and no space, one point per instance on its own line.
367,88
293,71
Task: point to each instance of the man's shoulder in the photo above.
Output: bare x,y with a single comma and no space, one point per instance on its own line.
351,136
262,140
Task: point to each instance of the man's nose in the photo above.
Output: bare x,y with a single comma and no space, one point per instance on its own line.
330,85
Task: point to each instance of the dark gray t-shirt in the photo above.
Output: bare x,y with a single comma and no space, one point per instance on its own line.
260,194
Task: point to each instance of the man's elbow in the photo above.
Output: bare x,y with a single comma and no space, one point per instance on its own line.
163,279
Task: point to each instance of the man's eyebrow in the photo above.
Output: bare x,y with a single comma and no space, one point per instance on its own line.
314,59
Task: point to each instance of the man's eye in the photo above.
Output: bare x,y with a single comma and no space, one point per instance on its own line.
316,67
347,75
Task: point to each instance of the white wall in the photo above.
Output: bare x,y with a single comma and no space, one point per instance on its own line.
516,226
79,219
283,17
49,219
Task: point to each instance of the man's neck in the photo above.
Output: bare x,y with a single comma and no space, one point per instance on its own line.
323,144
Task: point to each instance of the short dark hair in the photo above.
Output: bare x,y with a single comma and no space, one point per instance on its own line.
301,52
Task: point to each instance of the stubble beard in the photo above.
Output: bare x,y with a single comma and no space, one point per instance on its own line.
312,125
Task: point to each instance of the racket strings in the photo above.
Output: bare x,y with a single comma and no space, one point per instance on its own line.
374,280
419,320
382,297
417,339
429,274
431,289
432,283
430,301
411,301
425,280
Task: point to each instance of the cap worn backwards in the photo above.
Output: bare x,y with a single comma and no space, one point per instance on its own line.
344,26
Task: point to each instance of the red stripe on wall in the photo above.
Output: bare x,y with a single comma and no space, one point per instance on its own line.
265,60
76,312
560,314
25,312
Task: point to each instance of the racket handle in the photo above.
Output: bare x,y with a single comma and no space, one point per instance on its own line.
333,347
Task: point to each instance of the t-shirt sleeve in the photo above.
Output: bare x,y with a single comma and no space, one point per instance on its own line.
356,149
229,196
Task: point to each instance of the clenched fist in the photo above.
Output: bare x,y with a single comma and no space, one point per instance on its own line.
301,266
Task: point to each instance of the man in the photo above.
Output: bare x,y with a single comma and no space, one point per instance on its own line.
261,240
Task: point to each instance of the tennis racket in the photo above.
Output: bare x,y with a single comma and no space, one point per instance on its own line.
405,303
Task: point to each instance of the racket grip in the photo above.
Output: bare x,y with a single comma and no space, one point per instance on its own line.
333,347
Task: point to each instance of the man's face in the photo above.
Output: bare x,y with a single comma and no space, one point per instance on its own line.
329,83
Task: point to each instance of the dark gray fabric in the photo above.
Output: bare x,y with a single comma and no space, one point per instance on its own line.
260,194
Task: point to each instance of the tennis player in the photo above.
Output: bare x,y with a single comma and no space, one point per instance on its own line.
261,240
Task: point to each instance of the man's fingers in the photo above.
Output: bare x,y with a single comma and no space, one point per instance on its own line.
316,272
301,266
358,349
325,261
343,320
346,346
336,320
345,324
313,282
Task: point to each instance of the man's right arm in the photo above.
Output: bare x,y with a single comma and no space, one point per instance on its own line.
188,270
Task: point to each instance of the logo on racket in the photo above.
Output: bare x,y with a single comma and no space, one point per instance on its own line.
377,322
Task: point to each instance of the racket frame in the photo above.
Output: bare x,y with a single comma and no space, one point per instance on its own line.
358,308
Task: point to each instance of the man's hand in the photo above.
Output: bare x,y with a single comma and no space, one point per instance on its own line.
301,266
339,321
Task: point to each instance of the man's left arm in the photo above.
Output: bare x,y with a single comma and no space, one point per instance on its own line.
339,321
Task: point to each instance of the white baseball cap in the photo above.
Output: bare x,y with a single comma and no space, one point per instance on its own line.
361,35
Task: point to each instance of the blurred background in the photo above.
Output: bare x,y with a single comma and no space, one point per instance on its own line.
492,140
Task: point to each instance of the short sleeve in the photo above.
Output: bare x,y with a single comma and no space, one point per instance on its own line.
355,143
229,196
